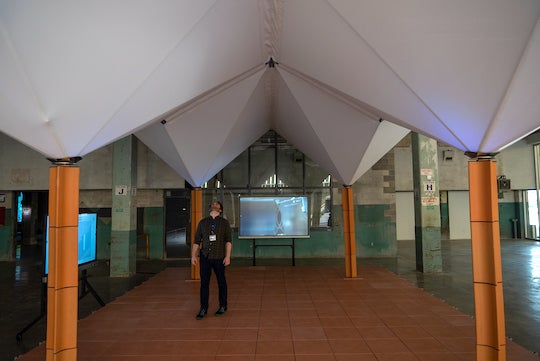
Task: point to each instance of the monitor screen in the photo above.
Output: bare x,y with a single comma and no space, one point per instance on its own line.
87,242
274,217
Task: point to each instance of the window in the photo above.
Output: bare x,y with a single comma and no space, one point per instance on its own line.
272,166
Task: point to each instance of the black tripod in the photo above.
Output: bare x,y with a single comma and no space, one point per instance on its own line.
84,288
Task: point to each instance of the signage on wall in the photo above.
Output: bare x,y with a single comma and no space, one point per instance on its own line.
2,198
121,190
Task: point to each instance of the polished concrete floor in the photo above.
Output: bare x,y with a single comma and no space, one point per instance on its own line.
371,316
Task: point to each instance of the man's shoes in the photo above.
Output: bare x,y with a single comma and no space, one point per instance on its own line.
221,311
201,314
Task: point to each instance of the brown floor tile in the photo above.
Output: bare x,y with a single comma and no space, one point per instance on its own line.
306,313
378,332
308,333
312,347
381,346
437,356
274,358
236,348
355,357
275,348
342,333
278,334
406,332
349,346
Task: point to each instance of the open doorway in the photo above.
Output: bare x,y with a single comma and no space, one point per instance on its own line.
177,223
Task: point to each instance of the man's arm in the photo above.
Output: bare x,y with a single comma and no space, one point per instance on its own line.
228,249
194,252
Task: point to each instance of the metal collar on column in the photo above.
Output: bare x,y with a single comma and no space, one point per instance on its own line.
64,161
476,156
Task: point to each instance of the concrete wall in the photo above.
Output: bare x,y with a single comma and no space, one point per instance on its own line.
22,168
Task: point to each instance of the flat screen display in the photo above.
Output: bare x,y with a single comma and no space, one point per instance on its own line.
274,217
87,243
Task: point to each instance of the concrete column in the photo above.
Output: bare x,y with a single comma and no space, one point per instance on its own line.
62,286
427,212
486,258
348,232
196,216
7,225
124,208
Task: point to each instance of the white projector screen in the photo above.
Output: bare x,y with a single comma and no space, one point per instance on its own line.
274,217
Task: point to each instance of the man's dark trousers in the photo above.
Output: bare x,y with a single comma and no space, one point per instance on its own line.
207,265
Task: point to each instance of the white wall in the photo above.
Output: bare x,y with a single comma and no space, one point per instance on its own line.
22,168
458,214
404,216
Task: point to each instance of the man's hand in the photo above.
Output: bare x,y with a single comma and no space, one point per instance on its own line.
226,261
194,260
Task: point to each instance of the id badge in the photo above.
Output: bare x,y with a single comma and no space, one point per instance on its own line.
213,238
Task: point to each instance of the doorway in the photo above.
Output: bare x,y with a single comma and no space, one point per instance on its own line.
177,224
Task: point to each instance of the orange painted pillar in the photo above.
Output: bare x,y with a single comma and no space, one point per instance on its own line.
486,258
348,232
62,286
196,216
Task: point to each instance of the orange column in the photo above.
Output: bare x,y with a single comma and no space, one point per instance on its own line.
486,258
348,232
62,287
196,216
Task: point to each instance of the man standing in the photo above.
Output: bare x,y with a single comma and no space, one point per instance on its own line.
213,243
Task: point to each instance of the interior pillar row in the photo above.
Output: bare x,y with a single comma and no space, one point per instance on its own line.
196,216
63,273
348,232
486,259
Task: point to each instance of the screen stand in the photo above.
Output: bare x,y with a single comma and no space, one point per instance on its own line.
254,245
43,309
86,288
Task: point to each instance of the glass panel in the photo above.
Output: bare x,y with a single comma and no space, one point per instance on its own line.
320,203
229,199
315,175
235,174
531,213
262,166
290,166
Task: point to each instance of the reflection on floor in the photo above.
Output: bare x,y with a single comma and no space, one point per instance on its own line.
176,246
285,313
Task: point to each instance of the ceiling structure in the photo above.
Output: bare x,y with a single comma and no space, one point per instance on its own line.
200,81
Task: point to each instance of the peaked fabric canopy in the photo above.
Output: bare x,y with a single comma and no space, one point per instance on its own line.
352,77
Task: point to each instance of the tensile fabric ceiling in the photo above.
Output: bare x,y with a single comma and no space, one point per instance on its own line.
199,81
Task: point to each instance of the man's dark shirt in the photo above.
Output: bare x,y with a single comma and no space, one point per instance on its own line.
221,228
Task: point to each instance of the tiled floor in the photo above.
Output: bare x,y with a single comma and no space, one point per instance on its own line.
284,313
281,313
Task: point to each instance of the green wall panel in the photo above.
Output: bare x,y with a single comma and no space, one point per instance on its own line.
154,224
375,232
507,212
6,237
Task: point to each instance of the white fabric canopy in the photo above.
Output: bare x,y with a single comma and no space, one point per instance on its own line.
353,76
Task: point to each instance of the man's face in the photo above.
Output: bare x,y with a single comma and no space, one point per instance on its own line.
215,208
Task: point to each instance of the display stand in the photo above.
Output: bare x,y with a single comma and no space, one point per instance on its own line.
42,312
255,245
84,288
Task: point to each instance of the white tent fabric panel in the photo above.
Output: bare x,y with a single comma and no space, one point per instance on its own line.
76,76
384,139
291,122
457,62
158,140
347,63
519,111
222,45
343,130
72,59
200,131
